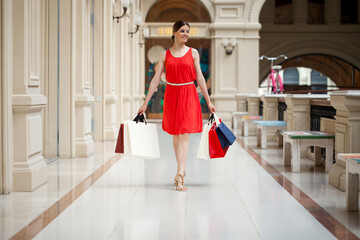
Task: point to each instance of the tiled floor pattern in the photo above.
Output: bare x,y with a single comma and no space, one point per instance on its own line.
230,198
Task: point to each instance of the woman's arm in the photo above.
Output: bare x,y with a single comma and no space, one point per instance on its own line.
154,82
201,81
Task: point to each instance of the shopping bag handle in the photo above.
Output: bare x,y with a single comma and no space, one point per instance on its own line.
214,117
140,118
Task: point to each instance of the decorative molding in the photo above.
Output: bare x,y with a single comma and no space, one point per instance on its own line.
111,98
34,81
235,26
251,6
28,100
230,12
84,98
252,10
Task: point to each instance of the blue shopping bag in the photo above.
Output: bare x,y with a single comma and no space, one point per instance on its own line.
226,137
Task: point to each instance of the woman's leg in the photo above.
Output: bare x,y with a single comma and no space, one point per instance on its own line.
181,147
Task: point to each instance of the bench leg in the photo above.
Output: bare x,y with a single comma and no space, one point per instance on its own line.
242,127
295,160
246,128
317,153
234,122
258,136
329,156
263,137
287,153
352,195
281,138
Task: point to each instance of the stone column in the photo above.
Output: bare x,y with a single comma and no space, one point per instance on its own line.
298,111
6,113
80,35
271,111
66,64
29,167
347,129
253,104
253,110
238,71
241,102
270,106
109,75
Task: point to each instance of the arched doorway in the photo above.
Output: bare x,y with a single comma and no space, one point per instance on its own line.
159,19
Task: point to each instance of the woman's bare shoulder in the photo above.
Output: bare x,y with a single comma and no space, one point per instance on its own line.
194,51
162,55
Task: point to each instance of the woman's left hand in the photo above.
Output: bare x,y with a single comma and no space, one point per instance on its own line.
211,108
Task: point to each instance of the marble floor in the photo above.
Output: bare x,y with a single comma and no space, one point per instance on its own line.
109,196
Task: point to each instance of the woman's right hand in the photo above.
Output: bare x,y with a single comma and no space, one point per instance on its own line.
142,109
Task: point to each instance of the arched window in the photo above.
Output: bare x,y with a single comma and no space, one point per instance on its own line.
283,12
317,78
291,76
349,12
316,12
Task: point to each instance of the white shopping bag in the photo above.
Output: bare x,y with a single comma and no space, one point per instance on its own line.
203,150
141,140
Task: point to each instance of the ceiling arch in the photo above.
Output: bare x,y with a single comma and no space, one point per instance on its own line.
174,10
341,72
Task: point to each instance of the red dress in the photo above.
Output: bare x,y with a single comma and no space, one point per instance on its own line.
181,111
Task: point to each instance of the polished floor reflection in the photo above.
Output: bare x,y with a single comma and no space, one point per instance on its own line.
230,198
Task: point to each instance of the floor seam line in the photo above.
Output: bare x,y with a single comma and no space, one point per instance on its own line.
33,228
247,212
311,206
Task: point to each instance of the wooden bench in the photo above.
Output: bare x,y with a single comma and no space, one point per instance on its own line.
264,126
245,120
235,116
352,179
293,141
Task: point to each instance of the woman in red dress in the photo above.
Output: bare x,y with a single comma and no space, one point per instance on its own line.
182,112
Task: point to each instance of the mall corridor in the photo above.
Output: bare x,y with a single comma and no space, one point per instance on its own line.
230,198
72,71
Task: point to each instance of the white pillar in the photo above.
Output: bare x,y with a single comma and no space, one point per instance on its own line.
253,110
347,126
241,102
253,104
99,106
29,168
298,113
109,65
80,35
67,58
6,115
237,72
106,72
270,106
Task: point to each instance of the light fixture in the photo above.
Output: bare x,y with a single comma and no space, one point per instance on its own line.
145,34
137,22
229,46
125,4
